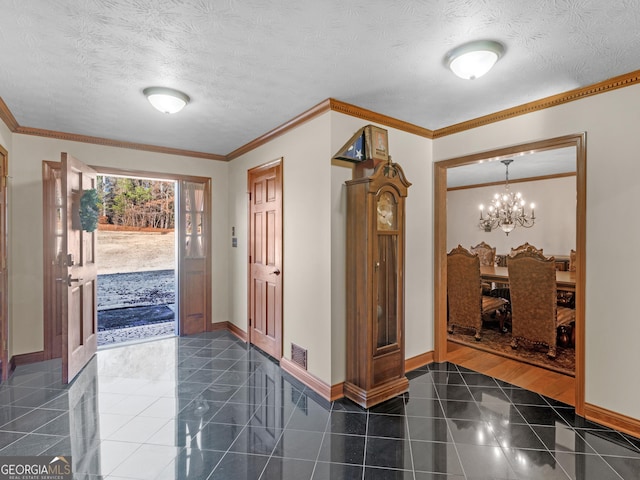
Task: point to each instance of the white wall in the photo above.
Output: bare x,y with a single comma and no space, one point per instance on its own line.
613,181
555,209
314,239
26,243
413,153
5,137
312,236
6,141
307,239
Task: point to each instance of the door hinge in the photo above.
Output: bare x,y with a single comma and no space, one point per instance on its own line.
249,322
249,196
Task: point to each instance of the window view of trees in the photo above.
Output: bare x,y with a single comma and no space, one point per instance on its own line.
136,202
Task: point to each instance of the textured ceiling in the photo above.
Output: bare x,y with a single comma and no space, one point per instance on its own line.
250,65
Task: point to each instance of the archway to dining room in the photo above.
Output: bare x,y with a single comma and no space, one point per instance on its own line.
497,363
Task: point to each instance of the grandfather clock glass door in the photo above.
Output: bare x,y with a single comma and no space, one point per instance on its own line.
386,268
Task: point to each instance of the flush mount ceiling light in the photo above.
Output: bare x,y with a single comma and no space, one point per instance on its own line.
167,100
472,60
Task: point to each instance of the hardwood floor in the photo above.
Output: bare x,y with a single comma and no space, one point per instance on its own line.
554,385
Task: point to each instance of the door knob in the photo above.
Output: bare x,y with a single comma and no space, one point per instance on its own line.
68,280
276,272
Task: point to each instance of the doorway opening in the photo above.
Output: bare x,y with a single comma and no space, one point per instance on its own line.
578,143
136,259
70,271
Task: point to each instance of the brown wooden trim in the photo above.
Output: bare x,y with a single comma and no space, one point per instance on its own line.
26,358
581,263
337,391
363,113
440,262
237,331
310,114
219,326
343,163
418,361
614,83
612,419
518,180
440,241
39,132
620,81
571,140
327,392
7,117
4,266
323,107
123,172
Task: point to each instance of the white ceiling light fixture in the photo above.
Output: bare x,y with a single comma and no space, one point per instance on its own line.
167,100
472,60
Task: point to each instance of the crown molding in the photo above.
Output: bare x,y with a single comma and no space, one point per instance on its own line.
332,104
310,114
323,107
7,117
363,113
614,83
39,132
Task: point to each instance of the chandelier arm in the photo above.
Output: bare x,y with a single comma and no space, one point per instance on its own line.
506,210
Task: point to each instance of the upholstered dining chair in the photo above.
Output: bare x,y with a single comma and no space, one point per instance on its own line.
487,255
524,246
572,260
535,315
464,292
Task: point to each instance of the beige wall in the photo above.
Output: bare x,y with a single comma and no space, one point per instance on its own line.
413,153
25,263
313,236
613,180
5,137
555,228
307,233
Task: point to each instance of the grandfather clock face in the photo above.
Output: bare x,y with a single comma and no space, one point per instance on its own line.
387,212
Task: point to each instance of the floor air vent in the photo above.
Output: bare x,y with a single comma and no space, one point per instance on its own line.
299,355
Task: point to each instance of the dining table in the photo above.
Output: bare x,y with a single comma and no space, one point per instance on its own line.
566,281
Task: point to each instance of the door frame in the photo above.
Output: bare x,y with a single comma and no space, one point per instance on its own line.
250,171
49,276
4,266
440,244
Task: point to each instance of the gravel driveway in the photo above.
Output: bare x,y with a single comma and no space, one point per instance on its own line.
135,269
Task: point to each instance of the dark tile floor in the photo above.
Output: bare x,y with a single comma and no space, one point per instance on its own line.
211,407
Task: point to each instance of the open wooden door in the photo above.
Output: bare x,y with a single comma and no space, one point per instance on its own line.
265,258
79,308
194,240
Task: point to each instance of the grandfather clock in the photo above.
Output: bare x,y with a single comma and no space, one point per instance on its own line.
375,284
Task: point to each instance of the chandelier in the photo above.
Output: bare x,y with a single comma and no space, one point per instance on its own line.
506,210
